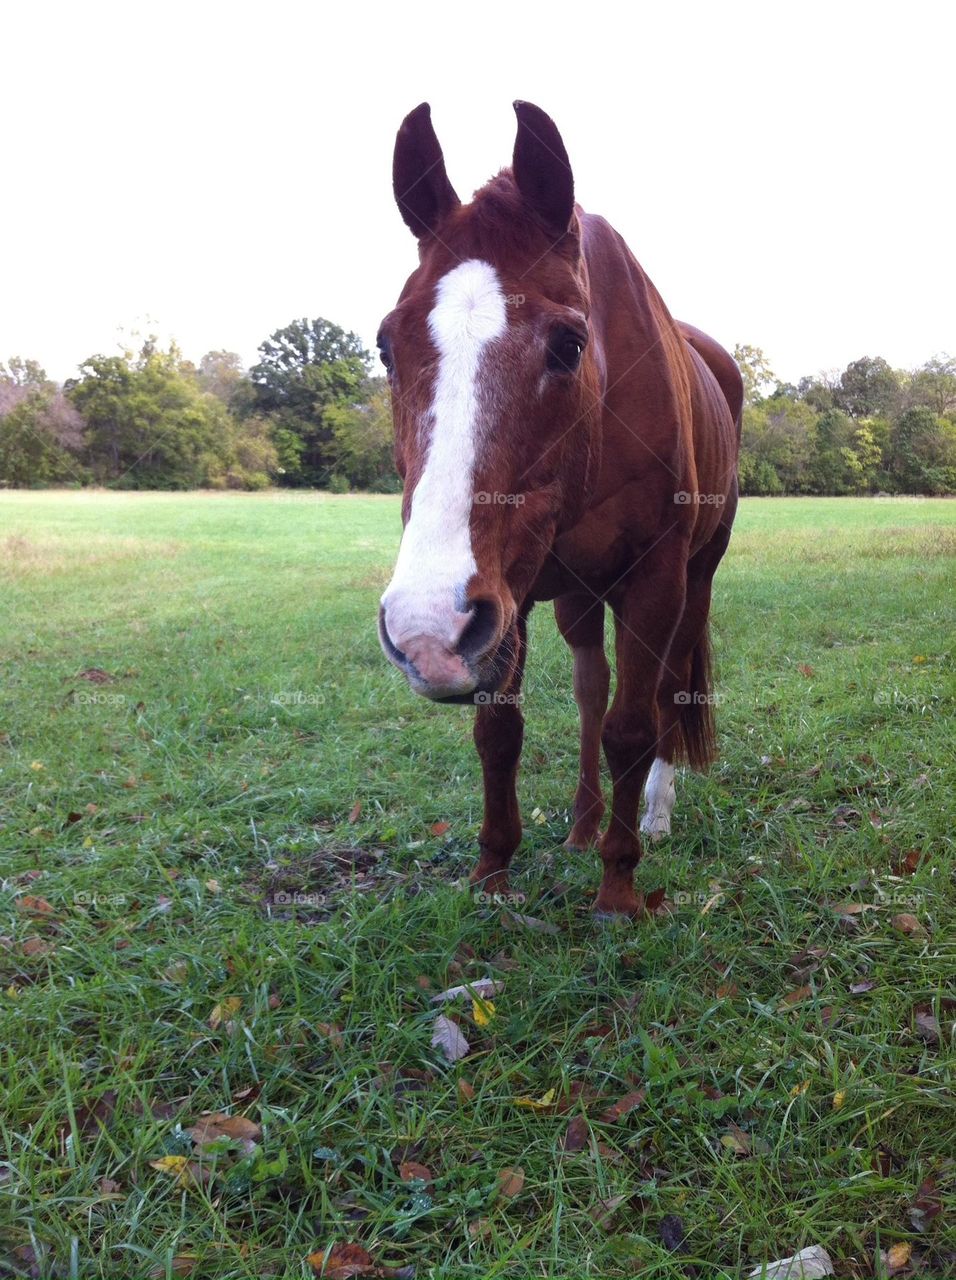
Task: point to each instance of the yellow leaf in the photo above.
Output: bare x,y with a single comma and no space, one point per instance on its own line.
213,886
13,992
36,766
176,1166
537,1104
898,1256
223,1010
838,1099
482,1011
797,1089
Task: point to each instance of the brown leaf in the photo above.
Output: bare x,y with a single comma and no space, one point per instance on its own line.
342,1261
222,1011
511,1182
852,908
620,1108
332,1031
726,990
208,1128
908,924
181,1265
73,816
794,997
466,1091
410,1171
107,1187
34,906
439,828
95,675
927,1205
927,1027
576,1135
607,1210
355,812
910,862
34,946
805,669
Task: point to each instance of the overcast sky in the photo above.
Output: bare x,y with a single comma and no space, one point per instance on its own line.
211,171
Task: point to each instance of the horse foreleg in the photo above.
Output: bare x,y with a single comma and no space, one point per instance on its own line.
580,618
499,732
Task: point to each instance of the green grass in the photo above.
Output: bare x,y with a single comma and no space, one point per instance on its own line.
250,714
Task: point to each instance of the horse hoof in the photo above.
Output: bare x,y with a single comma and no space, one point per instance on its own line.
581,841
656,826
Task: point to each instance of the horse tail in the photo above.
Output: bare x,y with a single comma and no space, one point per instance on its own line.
696,732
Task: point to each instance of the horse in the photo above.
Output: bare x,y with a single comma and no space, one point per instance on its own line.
560,437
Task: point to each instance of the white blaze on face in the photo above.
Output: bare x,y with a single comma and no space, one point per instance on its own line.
435,559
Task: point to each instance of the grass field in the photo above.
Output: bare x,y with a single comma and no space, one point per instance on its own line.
232,846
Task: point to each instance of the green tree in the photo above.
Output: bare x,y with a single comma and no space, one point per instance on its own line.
923,452
868,388
150,425
934,385
306,370
362,444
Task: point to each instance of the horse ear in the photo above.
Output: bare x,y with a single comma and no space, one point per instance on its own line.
422,190
541,168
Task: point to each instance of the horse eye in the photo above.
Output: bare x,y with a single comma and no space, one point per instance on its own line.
385,354
564,351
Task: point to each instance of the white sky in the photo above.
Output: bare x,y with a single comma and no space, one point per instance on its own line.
785,173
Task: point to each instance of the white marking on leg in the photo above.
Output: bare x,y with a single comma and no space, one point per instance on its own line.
435,558
660,794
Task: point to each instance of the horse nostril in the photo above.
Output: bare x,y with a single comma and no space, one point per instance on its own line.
391,648
481,631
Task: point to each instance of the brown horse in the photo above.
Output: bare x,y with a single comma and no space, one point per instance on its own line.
562,438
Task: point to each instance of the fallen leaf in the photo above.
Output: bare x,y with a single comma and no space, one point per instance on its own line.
537,1104
107,1187
838,1099
576,1136
799,1089
510,1182
34,906
214,1125
481,1229
896,1257
736,1141
927,1027
483,989
654,900
332,1031
178,1167
673,1233
805,669
466,1091
908,924
35,947
447,1036
355,812
853,908
811,1263
794,997
342,1261
910,862
181,1265
231,1004
926,1206
411,1171
623,1106
439,828
858,988
608,1209
213,886
483,1012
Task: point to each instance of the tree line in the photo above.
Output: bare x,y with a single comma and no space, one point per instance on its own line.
310,413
